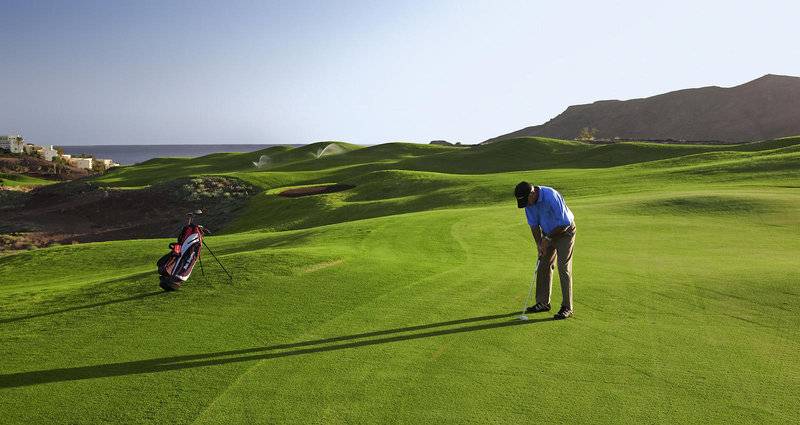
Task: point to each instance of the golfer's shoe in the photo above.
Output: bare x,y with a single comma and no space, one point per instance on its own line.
563,314
538,308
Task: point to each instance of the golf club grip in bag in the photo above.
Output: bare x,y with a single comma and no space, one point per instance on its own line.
175,267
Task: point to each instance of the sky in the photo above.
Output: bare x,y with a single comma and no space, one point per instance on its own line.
366,72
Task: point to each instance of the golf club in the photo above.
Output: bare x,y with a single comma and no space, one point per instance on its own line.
191,215
530,291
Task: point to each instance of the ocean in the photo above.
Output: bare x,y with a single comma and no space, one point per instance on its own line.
132,154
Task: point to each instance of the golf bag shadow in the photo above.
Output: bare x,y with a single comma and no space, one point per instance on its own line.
176,266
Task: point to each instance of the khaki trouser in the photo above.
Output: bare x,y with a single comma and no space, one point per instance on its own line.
561,245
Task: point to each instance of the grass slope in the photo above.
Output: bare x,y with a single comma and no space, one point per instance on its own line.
395,302
22,180
163,169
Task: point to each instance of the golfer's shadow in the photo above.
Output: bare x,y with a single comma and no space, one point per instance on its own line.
164,364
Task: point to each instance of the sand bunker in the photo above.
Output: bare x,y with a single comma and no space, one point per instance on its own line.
314,190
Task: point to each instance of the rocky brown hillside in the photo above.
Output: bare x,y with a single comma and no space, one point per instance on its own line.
765,108
82,211
38,167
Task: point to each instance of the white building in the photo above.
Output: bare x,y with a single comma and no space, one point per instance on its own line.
81,163
16,144
48,153
30,148
107,163
13,142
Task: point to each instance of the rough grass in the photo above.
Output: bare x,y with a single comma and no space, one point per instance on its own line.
394,302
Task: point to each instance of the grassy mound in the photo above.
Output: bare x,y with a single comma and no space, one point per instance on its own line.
395,301
22,180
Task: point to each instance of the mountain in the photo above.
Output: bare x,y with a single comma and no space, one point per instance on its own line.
765,108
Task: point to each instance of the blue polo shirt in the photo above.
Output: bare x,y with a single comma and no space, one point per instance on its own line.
549,211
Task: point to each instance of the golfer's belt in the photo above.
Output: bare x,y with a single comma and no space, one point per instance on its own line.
564,230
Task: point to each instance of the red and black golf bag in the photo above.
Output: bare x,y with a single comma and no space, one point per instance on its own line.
175,267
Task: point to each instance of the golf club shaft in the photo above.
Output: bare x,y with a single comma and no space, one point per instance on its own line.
218,262
533,281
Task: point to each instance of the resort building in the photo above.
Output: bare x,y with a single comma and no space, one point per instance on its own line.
107,163
30,148
16,144
81,163
13,143
48,153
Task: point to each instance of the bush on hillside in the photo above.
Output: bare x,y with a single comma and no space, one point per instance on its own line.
201,189
586,134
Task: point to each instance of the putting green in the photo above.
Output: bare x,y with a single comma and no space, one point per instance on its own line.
396,301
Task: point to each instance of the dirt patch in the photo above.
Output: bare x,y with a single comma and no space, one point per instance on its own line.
315,190
38,167
81,211
320,266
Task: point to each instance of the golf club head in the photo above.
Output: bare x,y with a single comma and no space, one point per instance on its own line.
523,317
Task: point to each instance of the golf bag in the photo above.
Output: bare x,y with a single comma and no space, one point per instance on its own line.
176,266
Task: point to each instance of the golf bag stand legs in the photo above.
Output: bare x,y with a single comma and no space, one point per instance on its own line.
218,262
202,271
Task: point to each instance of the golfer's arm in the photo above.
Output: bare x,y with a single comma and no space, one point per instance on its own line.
537,234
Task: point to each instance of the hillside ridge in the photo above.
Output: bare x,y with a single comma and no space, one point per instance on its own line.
761,109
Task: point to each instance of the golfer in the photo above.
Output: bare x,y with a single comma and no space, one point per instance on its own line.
553,228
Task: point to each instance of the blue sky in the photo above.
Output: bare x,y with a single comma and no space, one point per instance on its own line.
147,72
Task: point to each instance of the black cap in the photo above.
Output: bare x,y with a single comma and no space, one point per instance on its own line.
521,192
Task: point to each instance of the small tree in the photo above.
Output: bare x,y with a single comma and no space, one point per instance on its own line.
98,167
59,150
586,134
59,164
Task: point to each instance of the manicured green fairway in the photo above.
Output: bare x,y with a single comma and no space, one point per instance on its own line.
22,180
395,302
